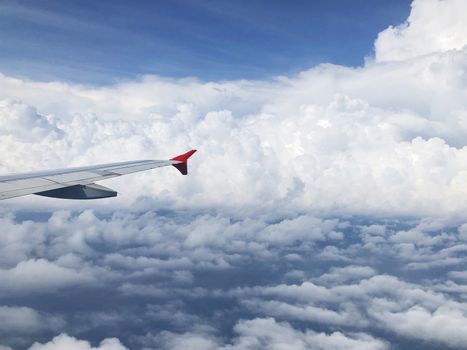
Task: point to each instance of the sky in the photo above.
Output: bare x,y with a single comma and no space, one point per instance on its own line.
103,42
324,209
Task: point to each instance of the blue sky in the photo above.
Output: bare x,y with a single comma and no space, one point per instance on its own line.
103,41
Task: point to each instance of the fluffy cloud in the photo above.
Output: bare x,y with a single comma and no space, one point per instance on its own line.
328,139
21,319
19,324
382,301
64,341
23,277
266,333
24,122
341,274
446,324
433,26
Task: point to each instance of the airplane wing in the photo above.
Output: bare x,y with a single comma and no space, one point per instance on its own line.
78,183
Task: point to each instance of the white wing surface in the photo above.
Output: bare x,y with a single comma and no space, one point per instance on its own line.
78,183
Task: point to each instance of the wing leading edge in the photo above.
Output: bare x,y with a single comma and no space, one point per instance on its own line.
78,183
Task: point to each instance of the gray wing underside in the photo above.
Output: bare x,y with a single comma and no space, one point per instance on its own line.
84,177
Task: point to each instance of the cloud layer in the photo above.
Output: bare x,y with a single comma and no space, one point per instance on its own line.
167,279
385,138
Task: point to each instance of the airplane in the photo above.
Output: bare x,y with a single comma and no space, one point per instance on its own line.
78,183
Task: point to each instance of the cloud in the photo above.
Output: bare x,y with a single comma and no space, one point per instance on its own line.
20,324
347,273
193,341
23,277
24,122
21,319
269,334
266,333
143,263
152,259
445,324
276,153
63,341
381,301
433,26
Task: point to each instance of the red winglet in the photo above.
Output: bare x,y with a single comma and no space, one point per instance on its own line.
183,158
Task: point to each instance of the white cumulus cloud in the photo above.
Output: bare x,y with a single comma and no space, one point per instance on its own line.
433,26
65,342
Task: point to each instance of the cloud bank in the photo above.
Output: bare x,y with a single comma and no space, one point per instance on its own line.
385,138
324,210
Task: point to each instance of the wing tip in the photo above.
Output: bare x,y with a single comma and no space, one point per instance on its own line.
183,159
